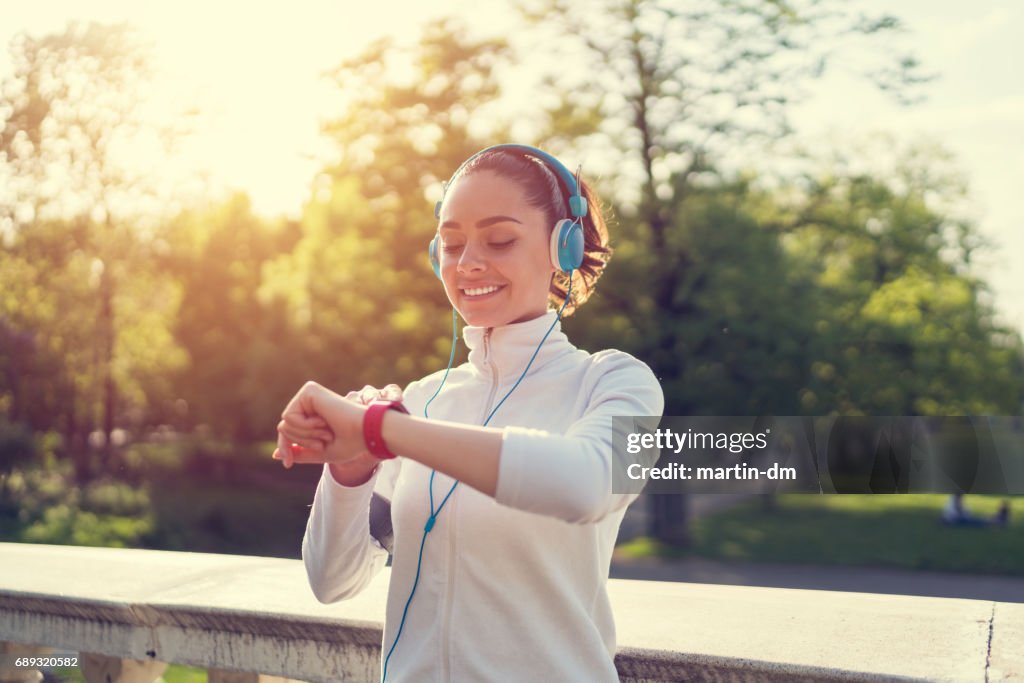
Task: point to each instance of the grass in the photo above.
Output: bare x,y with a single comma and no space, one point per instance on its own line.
901,531
175,673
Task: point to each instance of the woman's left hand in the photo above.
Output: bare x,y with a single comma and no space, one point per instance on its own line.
344,418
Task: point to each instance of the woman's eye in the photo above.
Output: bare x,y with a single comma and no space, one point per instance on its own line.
452,248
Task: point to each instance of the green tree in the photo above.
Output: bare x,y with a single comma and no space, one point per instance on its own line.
242,353
905,323
358,282
668,89
74,233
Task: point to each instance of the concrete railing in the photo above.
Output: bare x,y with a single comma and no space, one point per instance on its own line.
129,612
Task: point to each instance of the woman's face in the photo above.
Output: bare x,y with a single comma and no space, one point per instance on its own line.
492,238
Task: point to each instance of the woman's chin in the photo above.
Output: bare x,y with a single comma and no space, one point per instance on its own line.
478,319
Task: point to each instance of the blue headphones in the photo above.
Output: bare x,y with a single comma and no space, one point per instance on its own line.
566,248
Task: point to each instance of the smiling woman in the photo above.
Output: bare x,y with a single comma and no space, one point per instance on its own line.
518,561
495,228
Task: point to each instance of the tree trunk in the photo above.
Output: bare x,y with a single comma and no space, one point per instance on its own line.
669,513
75,439
107,334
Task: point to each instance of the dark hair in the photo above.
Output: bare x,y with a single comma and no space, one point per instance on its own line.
547,191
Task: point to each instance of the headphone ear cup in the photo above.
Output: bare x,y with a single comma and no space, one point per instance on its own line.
435,261
567,245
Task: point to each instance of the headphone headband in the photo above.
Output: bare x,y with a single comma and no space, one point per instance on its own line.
577,203
567,241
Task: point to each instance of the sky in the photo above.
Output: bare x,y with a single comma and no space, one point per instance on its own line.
254,70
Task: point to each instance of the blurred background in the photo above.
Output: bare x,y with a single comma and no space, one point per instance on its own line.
813,206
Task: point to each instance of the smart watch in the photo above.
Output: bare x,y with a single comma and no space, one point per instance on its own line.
373,420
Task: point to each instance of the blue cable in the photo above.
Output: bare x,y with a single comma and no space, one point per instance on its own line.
433,515
430,523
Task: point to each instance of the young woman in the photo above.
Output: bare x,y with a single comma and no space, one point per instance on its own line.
502,501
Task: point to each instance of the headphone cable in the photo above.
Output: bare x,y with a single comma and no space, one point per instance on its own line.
433,515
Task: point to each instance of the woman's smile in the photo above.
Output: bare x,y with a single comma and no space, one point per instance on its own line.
481,293
495,254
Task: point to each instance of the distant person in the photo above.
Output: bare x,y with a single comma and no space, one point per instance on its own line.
955,513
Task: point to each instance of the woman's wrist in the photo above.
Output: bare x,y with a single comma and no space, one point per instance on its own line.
373,418
343,416
354,474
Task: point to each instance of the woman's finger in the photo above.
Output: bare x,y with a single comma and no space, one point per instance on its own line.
296,434
363,396
305,421
324,437
303,456
282,446
392,392
369,394
306,441
313,432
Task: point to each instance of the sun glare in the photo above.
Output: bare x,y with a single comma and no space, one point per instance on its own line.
251,76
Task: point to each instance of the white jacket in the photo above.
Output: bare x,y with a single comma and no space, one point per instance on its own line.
512,588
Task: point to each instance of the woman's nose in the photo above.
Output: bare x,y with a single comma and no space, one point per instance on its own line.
471,259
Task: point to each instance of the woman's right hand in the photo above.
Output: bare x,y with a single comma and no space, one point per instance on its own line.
358,471
308,432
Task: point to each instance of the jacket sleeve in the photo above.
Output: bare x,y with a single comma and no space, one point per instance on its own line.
569,476
339,554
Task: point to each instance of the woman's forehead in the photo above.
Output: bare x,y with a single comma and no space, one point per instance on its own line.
483,195
486,181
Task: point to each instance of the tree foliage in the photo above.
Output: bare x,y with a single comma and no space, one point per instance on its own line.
77,225
674,86
243,357
367,300
843,290
671,89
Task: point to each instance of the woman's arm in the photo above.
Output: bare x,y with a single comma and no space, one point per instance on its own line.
339,556
311,431
568,476
443,446
436,444
338,552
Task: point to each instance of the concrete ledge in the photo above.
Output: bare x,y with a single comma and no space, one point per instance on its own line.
258,614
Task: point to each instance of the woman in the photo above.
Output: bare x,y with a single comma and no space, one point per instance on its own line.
503,533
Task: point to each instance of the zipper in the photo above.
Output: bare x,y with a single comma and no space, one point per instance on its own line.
446,637
449,599
494,375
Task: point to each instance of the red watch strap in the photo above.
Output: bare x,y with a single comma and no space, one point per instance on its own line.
373,419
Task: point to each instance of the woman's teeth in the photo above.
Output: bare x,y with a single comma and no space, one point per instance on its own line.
481,291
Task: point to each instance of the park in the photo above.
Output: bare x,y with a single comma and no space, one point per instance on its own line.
807,215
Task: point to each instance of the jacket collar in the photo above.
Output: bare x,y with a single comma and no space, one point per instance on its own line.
509,348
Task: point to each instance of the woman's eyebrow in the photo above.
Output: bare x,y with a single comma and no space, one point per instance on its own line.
483,222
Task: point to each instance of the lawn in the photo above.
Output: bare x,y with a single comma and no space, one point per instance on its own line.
854,530
175,673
